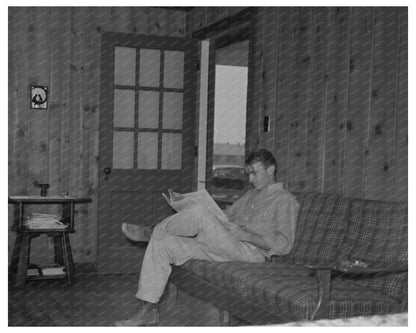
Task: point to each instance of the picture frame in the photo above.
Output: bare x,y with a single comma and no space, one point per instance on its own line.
39,97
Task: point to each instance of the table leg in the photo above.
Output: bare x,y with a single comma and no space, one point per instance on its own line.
22,251
69,262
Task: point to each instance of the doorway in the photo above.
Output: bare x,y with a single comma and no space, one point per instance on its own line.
230,48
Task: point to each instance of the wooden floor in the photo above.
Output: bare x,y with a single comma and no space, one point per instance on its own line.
97,300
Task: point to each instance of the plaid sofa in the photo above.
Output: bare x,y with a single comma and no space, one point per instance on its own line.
331,231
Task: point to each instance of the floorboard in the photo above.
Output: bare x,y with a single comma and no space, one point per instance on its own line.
96,300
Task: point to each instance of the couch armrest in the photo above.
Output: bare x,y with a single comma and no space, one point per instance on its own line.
362,268
323,275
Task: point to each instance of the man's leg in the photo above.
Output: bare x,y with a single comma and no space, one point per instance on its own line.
155,272
212,242
212,236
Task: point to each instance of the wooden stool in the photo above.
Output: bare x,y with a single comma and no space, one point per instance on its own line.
21,254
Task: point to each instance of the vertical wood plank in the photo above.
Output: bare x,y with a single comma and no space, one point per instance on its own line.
162,19
401,156
153,22
359,90
269,73
140,19
381,140
38,71
303,101
255,121
283,95
66,103
336,100
57,35
390,60
293,107
177,23
77,142
213,15
121,19
38,120
198,18
93,75
315,145
20,97
104,19
234,10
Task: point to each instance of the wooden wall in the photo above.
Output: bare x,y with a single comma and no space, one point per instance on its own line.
60,48
334,81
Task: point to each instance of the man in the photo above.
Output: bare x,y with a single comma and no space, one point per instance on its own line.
261,224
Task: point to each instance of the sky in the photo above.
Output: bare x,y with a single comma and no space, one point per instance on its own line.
230,104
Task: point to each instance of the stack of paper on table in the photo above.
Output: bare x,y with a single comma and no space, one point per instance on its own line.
44,221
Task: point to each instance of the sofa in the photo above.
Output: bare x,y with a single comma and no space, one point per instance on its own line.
349,259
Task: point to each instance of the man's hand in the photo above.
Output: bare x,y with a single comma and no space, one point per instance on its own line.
240,233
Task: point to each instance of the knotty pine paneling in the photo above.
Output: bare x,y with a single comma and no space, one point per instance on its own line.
60,47
335,80
400,168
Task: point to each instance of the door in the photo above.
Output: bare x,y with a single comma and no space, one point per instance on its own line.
146,137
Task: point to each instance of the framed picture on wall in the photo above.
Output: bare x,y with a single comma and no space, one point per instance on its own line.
38,97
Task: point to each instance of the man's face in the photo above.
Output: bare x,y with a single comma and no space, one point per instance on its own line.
259,176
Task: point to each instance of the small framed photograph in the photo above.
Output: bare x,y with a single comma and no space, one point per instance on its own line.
38,97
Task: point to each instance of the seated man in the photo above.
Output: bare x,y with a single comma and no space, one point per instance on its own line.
262,224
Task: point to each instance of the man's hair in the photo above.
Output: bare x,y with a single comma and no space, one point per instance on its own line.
264,156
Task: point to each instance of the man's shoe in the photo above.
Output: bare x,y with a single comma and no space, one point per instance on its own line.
143,318
137,233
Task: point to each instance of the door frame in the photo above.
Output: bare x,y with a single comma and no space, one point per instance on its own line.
220,34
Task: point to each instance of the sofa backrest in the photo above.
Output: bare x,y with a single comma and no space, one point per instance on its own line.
321,228
378,233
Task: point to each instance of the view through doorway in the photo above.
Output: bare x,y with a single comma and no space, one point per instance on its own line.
230,113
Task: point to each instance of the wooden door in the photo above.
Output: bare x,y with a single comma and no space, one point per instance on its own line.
147,107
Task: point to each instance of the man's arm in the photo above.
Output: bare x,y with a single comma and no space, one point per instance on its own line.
242,234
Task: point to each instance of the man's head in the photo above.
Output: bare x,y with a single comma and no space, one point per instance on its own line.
262,168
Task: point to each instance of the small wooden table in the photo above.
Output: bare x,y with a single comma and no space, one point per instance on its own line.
21,253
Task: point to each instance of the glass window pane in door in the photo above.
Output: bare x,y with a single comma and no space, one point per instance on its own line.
147,150
172,110
149,73
125,66
148,109
171,151
173,73
123,108
123,150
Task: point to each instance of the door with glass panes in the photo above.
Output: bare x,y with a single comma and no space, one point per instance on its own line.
146,144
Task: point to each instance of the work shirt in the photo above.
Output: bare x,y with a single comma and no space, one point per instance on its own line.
271,213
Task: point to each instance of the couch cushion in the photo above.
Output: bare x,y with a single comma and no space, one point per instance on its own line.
378,233
237,274
283,287
321,227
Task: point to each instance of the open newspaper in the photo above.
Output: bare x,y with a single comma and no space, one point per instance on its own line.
199,198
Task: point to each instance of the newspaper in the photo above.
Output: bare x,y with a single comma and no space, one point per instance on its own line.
199,198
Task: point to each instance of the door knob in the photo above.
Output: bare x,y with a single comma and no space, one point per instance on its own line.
107,172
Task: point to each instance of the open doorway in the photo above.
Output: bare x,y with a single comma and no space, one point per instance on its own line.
230,117
226,68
